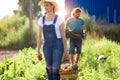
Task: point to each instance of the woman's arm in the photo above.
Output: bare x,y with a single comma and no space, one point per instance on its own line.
63,36
39,42
67,28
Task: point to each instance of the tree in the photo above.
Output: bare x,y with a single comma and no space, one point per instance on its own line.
23,7
27,8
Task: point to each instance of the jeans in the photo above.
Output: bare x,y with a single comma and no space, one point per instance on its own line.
53,52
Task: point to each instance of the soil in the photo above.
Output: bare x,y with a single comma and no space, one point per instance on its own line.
9,53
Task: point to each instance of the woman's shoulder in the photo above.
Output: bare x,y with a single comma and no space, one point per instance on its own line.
40,21
59,18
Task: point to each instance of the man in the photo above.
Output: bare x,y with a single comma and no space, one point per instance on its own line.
76,27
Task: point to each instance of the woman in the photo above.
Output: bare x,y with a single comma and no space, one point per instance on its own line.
52,28
77,27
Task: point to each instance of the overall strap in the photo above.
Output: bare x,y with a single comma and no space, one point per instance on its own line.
55,19
43,20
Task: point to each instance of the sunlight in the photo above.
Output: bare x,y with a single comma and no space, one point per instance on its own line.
62,12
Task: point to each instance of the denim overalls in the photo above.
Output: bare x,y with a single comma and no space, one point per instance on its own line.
52,49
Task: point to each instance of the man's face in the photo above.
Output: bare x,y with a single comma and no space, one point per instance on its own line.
77,14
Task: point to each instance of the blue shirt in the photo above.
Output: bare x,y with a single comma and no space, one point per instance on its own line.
75,24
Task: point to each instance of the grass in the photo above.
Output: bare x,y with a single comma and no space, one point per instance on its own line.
91,68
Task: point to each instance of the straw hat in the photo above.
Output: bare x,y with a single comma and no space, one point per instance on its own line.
41,3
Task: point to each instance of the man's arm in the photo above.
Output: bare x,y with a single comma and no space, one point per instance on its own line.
83,31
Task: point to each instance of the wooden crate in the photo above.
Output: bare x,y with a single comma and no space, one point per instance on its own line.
69,75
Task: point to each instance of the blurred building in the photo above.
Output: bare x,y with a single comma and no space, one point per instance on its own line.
104,10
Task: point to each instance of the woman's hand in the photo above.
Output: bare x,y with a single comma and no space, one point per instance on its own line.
39,56
66,55
39,43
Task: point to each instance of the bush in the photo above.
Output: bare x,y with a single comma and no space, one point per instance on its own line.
91,68
111,32
13,22
24,66
15,33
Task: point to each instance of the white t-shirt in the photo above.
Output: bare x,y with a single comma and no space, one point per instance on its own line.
59,21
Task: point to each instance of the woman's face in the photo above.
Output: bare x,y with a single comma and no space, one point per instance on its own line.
48,7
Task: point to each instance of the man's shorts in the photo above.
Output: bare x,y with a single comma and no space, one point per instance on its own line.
75,45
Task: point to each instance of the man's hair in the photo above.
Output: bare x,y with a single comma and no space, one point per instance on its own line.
75,10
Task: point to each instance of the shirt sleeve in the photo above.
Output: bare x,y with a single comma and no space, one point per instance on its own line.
83,23
67,22
60,20
39,22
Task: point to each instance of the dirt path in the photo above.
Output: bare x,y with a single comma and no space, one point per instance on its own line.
9,53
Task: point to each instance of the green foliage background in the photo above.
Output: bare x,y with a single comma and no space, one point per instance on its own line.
14,33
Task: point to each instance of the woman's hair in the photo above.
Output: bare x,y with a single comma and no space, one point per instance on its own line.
75,10
53,8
